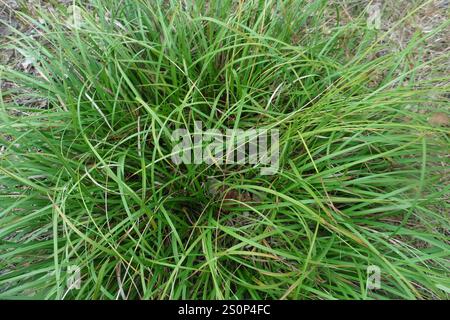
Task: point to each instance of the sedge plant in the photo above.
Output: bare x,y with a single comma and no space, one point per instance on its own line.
87,180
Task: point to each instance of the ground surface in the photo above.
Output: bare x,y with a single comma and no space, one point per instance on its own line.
431,14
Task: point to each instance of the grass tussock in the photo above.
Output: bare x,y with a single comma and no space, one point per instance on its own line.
87,180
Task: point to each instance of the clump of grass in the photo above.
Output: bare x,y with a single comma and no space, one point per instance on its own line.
87,181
